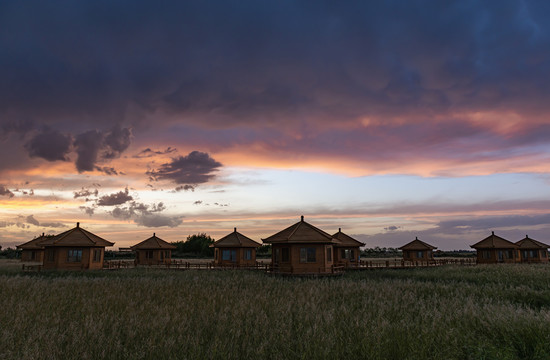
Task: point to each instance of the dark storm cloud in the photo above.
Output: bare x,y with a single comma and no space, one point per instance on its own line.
118,198
87,147
284,67
4,191
146,215
279,58
195,168
50,145
93,146
31,220
145,153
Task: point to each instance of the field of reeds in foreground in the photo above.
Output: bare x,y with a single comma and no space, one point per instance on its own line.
482,312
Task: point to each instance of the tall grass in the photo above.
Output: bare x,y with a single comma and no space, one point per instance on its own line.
498,312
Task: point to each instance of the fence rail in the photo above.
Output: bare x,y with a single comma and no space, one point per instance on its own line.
337,268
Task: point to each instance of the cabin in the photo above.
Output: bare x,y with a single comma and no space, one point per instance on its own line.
153,251
33,251
532,251
74,249
494,249
235,249
418,250
302,249
347,253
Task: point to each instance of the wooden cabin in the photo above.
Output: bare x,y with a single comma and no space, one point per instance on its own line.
153,251
494,249
302,249
235,249
33,251
418,250
532,251
75,249
347,253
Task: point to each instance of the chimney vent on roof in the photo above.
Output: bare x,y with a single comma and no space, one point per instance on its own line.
339,229
154,234
416,237
42,234
492,233
527,236
235,229
302,219
77,224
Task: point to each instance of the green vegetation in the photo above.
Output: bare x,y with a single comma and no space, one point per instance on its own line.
482,312
195,246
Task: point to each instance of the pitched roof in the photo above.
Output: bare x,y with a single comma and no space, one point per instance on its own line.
236,239
77,236
346,240
417,245
34,244
494,242
153,243
301,232
528,243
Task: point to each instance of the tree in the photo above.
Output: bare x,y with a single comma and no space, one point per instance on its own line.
197,245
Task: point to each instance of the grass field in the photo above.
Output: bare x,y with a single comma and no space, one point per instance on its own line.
482,312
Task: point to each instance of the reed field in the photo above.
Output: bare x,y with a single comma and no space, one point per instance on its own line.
478,312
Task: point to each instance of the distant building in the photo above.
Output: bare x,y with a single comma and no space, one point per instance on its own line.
302,249
417,250
153,251
235,249
75,249
33,250
532,251
494,249
347,252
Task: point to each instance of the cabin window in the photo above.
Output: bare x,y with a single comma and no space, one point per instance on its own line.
74,255
33,255
531,253
352,255
509,254
167,254
229,255
149,254
285,256
524,254
543,253
276,255
97,256
248,254
308,255
329,254
486,254
420,254
50,255
226,254
216,254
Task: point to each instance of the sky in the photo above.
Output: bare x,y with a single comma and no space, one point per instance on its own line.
390,120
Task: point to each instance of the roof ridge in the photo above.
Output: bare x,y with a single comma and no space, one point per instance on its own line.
85,232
